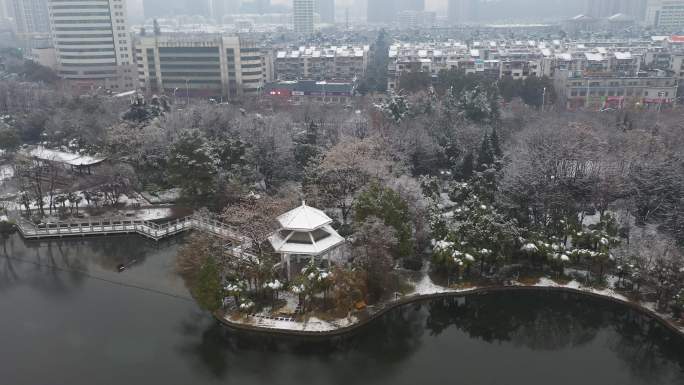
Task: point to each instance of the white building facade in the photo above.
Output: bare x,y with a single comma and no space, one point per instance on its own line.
303,16
665,14
93,43
211,66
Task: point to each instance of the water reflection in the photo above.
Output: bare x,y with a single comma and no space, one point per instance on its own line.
523,324
58,267
64,302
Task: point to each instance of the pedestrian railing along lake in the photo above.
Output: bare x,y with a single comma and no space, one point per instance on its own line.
152,230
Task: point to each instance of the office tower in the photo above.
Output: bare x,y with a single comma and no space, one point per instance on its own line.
31,16
665,14
326,10
303,11
381,11
211,66
92,43
463,11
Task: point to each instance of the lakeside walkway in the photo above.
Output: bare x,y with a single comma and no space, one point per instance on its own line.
151,230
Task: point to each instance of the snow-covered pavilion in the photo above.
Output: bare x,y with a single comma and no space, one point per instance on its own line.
305,234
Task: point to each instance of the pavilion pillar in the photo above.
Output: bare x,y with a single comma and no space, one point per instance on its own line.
287,264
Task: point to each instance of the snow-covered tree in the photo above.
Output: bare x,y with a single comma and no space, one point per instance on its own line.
476,231
479,105
395,108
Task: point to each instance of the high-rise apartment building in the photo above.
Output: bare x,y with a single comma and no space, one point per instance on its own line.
333,63
303,16
201,65
326,10
92,43
665,14
463,11
30,16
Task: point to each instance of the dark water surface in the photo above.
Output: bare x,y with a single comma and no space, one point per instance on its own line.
68,318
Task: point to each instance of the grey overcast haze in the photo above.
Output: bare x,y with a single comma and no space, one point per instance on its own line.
341,192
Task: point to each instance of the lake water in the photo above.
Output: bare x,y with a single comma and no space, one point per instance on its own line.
67,317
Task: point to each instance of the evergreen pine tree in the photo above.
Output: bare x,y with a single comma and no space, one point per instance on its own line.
486,155
496,146
467,166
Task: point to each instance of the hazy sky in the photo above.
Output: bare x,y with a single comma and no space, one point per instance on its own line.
430,4
433,5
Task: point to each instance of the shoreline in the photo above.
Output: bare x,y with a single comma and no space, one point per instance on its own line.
446,293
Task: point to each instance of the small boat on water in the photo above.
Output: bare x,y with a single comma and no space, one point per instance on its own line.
123,267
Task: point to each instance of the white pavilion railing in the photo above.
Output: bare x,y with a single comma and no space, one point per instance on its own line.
147,229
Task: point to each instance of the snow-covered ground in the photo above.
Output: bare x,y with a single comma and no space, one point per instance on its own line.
424,286
165,196
126,201
6,172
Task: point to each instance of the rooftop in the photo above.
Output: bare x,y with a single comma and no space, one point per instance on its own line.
304,218
70,158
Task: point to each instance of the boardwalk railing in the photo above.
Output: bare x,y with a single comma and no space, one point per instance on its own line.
112,226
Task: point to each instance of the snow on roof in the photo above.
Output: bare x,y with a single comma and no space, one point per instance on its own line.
593,56
623,55
475,52
620,17
316,247
304,218
124,94
70,158
564,56
582,17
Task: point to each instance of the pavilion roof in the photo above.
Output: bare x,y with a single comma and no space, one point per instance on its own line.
281,244
304,218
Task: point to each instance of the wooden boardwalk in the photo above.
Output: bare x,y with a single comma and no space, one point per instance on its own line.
147,229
